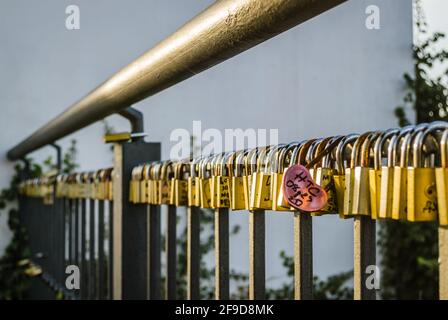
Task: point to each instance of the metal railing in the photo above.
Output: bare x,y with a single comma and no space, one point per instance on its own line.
116,242
354,174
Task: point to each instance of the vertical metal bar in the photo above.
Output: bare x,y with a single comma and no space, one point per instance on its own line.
193,253
101,274
364,256
83,249
92,255
154,256
222,254
110,257
171,253
303,256
70,231
61,240
257,273
76,231
130,234
443,263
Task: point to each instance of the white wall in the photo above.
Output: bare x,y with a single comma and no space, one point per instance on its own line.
328,76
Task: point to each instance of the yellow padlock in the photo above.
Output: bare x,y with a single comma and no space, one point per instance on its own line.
192,187
422,194
214,177
134,188
223,180
278,165
344,186
399,185
376,171
166,173
179,185
250,166
261,181
204,184
360,161
324,176
238,192
442,180
387,147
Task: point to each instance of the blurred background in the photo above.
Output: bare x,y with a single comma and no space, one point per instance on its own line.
331,75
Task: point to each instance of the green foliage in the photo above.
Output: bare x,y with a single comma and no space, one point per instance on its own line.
13,282
409,250
425,93
409,260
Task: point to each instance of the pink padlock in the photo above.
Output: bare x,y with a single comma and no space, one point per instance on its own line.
300,190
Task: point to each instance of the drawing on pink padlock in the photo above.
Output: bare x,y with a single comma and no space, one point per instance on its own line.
300,190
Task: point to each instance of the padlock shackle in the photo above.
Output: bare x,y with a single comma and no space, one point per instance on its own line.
341,151
396,144
364,156
444,149
311,152
388,136
420,140
273,158
356,151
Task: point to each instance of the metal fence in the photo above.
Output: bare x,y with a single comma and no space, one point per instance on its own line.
95,220
397,174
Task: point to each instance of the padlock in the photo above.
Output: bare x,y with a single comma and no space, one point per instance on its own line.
400,160
143,184
288,157
278,165
296,153
91,185
214,177
154,183
193,196
249,166
204,184
151,184
166,173
238,192
134,187
60,185
442,180
108,183
343,179
360,162
72,186
253,180
262,180
81,186
422,194
222,184
324,176
387,147
179,184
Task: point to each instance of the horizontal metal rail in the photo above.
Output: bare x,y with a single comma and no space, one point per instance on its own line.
220,32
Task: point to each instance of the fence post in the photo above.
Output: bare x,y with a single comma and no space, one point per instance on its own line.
222,254
443,263
130,221
364,255
193,253
303,256
257,263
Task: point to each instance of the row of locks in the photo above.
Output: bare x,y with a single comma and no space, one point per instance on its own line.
399,174
88,185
